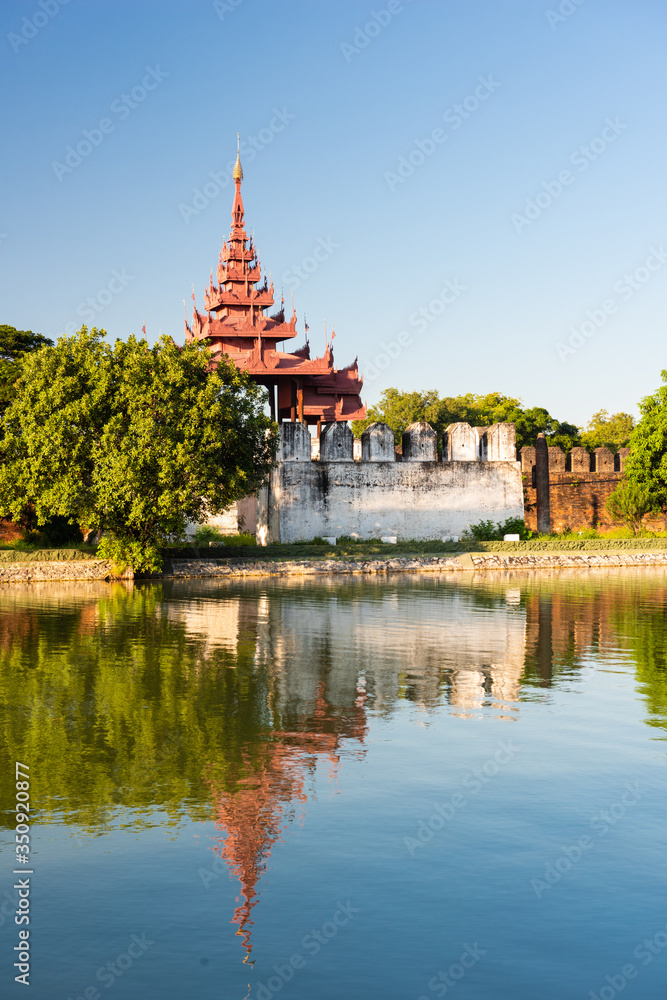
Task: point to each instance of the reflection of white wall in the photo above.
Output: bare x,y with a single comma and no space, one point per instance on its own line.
428,639
216,622
409,641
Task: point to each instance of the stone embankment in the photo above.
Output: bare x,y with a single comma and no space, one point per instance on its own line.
415,564
98,569
57,570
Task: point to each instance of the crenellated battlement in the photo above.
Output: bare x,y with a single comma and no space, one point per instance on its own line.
574,462
462,443
568,491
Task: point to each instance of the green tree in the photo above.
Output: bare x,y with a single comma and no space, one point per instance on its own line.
630,503
132,440
604,431
14,345
646,466
398,410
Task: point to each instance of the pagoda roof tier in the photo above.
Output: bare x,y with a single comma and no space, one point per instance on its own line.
238,326
235,324
229,272
261,361
238,250
260,298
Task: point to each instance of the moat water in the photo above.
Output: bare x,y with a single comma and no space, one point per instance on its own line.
399,789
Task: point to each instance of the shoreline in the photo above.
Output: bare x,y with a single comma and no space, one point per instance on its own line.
487,562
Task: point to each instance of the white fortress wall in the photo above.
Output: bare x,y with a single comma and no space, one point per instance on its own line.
417,497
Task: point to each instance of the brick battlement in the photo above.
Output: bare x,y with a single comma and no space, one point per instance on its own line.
575,461
579,484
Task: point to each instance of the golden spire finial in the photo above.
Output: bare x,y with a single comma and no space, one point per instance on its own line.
238,169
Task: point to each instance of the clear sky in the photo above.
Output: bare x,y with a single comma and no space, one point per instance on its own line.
483,180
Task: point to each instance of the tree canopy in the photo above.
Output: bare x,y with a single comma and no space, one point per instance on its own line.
14,345
399,409
646,465
604,431
132,440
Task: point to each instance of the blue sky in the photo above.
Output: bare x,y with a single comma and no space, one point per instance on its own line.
472,191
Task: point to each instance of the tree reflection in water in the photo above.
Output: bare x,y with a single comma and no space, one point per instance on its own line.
214,700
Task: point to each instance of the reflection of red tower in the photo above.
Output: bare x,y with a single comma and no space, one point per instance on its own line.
236,324
261,805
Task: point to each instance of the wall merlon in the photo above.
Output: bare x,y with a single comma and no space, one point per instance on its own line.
378,444
578,460
603,459
336,443
498,443
461,443
556,459
295,443
420,443
622,457
528,461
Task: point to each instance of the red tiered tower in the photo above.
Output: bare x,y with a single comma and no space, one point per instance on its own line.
236,323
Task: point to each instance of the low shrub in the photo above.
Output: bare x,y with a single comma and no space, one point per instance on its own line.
487,531
206,535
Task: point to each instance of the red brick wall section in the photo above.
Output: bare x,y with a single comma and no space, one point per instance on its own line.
578,496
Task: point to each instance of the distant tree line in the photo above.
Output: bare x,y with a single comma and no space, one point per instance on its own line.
399,409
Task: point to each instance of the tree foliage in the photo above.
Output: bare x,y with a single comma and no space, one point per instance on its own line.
132,440
605,431
14,345
399,409
646,466
630,503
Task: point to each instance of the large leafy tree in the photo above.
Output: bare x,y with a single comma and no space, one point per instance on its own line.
646,467
132,440
398,409
14,345
605,431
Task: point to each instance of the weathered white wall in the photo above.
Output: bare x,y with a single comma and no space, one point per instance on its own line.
421,500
